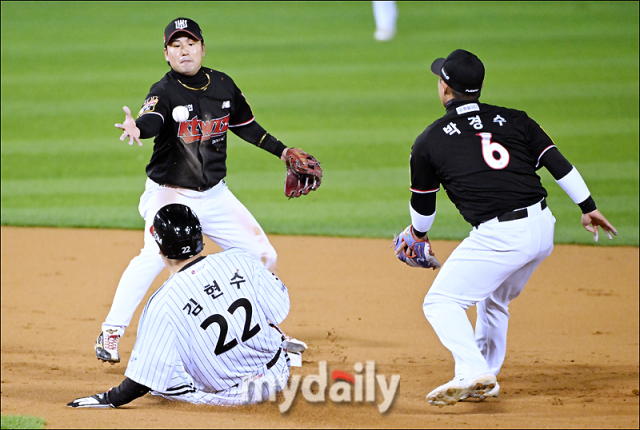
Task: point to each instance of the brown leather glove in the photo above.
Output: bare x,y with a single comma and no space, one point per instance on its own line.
304,173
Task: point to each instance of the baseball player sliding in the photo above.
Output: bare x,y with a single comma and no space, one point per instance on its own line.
486,157
207,331
189,112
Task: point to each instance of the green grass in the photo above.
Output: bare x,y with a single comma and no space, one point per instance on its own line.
316,79
18,422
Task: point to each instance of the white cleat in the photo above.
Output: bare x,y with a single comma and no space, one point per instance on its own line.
291,344
106,345
493,393
453,391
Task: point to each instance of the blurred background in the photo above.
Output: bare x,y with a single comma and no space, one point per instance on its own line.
317,79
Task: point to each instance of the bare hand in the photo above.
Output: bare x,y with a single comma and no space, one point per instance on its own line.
593,219
130,128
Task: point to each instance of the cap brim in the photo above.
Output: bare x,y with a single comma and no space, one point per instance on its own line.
436,66
182,31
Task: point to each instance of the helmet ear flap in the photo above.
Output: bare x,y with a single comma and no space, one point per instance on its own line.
177,231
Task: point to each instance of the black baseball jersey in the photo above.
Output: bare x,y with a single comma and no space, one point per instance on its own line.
192,154
485,156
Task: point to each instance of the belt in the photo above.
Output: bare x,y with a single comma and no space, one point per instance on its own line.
193,189
520,213
274,360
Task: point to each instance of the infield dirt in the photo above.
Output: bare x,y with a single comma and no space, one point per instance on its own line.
572,359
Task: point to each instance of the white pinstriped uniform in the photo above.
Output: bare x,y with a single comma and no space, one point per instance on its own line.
224,219
177,358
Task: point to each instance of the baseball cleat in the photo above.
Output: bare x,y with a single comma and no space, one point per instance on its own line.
291,344
492,393
107,346
459,389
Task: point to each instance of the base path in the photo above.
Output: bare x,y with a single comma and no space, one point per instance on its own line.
572,357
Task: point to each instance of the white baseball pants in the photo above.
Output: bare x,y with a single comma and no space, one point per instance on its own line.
224,220
265,383
385,14
489,268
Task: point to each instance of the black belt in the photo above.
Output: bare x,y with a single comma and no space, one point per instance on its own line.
187,188
274,360
520,213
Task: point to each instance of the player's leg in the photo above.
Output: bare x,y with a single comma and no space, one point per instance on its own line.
476,268
227,222
385,14
139,274
264,384
471,273
493,312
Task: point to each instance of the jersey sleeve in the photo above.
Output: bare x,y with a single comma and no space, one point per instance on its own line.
154,355
272,295
156,103
423,178
539,140
241,113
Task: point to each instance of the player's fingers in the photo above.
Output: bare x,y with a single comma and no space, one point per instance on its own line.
401,248
138,140
595,234
609,229
123,136
126,110
608,234
120,126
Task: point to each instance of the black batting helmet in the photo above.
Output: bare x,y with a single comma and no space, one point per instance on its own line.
177,232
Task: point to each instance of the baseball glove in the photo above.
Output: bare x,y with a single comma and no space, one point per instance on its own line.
304,173
97,401
414,251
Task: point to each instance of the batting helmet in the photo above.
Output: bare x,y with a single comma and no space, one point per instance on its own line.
177,232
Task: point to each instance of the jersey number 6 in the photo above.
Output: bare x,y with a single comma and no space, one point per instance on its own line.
247,333
489,149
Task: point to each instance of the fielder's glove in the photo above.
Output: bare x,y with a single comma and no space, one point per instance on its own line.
414,251
304,173
97,401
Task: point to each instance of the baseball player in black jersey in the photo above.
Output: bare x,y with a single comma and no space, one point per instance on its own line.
189,112
486,158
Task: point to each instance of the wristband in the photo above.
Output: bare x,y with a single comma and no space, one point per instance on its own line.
421,223
573,184
588,205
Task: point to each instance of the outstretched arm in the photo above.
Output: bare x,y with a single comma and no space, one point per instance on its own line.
570,180
124,393
129,127
256,135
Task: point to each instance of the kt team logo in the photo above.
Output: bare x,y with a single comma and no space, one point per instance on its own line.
195,130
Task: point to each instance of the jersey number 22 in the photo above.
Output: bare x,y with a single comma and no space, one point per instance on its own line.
247,333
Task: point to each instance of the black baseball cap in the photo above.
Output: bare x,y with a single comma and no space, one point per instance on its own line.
461,70
185,25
